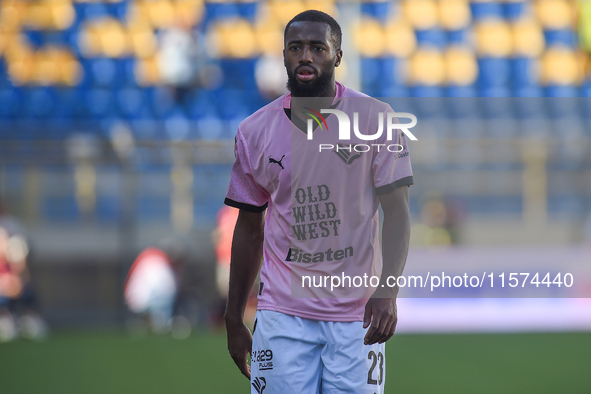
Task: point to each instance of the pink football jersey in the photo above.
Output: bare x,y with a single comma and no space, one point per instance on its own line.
321,193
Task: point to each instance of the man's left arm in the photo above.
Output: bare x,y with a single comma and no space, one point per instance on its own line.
380,310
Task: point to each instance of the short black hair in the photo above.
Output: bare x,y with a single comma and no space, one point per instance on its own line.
322,17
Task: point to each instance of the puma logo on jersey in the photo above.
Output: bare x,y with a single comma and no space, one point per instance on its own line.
271,160
259,384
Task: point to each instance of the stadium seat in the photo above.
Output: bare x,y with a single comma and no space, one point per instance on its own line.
10,103
132,103
486,9
562,37
100,103
162,101
493,73
431,37
379,10
39,103
515,9
178,127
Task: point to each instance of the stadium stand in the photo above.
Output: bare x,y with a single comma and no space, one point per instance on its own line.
71,66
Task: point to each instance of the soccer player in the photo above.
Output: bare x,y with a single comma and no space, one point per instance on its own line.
306,213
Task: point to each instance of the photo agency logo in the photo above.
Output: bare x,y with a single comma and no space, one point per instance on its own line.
348,151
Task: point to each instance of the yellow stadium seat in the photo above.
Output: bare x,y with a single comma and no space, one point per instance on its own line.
427,67
146,72
454,14
555,14
161,12
284,10
461,68
232,38
20,61
62,13
12,15
38,16
269,36
421,14
493,38
561,66
105,37
143,42
369,37
528,38
401,40
189,12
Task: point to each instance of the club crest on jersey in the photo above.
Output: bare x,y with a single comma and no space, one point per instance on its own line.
347,153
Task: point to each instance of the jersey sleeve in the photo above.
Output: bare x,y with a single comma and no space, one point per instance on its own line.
391,165
244,192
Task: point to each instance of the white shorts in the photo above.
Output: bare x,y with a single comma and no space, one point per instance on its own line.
291,355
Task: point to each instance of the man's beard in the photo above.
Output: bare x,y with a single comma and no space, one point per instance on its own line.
315,88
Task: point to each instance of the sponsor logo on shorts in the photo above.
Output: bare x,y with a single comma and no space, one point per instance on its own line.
264,358
259,384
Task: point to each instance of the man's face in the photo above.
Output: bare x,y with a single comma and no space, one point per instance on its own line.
310,58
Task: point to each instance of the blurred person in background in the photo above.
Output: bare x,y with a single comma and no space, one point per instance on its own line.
19,312
222,239
440,223
179,59
152,289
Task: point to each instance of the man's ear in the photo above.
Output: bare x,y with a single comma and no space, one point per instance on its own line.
338,58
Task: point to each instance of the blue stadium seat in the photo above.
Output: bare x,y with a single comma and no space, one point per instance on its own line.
220,10
460,91
70,102
40,102
147,129
178,127
126,69
4,82
162,102
201,104
458,37
132,103
248,10
586,89
107,208
486,9
513,10
231,104
522,72
100,103
426,91
93,10
564,37
431,37
561,91
494,76
379,10
118,9
100,73
35,38
60,209
379,76
528,91
210,127
239,73
10,103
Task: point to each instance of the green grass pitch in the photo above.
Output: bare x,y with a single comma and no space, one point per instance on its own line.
111,362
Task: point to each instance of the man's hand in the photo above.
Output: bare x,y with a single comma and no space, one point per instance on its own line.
240,345
381,318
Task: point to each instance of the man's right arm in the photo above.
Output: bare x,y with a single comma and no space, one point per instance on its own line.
247,254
